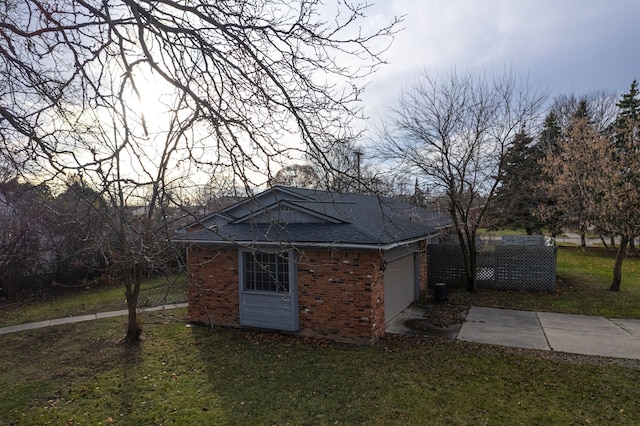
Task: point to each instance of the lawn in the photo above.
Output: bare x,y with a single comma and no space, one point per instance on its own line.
153,292
81,374
582,288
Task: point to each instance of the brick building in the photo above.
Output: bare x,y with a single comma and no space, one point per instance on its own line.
314,263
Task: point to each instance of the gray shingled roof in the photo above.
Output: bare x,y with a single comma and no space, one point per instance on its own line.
326,218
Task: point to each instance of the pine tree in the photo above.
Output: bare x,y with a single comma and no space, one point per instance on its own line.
625,135
628,115
629,105
419,197
550,134
518,199
582,111
549,142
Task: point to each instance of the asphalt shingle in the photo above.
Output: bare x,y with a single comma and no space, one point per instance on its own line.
354,219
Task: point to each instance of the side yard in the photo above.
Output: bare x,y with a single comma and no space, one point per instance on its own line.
583,279
154,292
81,374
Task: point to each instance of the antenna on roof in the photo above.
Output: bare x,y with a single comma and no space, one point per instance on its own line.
358,153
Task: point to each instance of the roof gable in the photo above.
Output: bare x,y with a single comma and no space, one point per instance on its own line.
284,211
260,202
304,216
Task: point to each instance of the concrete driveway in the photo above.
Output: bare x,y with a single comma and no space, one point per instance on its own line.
578,334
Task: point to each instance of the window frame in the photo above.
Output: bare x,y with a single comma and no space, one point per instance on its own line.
262,280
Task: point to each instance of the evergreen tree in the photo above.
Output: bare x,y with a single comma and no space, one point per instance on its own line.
628,115
549,142
521,201
582,111
625,136
629,105
419,197
550,134
517,198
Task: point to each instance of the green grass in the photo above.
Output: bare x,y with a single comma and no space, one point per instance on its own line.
595,267
583,280
582,288
154,292
80,374
484,232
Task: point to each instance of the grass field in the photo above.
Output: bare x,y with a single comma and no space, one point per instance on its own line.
81,374
582,288
154,292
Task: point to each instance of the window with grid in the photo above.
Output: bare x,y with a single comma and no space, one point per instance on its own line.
266,272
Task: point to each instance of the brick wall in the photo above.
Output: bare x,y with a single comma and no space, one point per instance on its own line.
213,292
340,292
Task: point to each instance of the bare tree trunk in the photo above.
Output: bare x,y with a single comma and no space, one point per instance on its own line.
469,253
467,245
604,243
132,285
632,243
583,240
617,269
473,257
613,241
465,255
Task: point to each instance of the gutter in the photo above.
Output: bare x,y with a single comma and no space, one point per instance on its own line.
384,247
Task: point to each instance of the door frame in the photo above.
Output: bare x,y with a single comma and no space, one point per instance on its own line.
265,309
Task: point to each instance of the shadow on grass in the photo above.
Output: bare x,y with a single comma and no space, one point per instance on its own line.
130,376
272,378
79,374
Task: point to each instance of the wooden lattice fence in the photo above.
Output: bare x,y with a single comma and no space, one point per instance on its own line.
510,263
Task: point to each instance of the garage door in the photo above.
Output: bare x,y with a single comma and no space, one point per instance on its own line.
399,285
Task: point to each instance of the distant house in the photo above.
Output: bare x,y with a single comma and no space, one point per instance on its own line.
316,263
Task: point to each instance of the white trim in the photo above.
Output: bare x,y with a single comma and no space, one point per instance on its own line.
276,244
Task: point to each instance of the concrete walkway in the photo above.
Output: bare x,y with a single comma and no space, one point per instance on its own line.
578,334
81,318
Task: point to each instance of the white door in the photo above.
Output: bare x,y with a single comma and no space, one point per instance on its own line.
399,285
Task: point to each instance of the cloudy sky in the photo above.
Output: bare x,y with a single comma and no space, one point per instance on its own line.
567,46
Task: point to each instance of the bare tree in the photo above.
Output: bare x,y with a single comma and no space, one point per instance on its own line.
26,239
454,132
351,170
297,175
599,109
598,171
218,191
134,94
77,225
